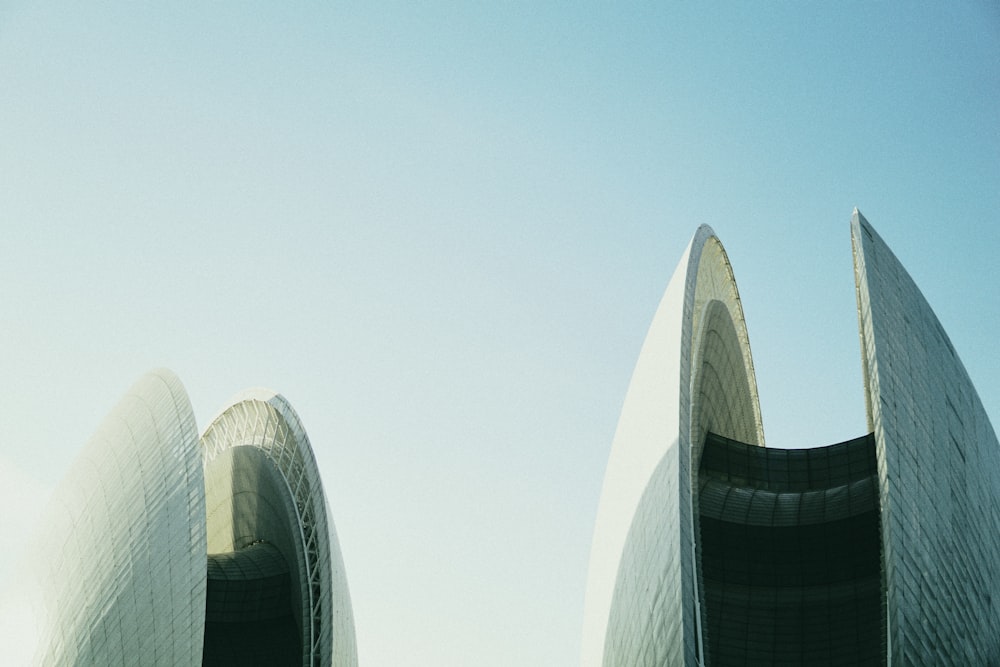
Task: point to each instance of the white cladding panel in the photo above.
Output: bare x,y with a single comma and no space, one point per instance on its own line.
121,560
694,372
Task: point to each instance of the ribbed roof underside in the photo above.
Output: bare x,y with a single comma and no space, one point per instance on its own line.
791,560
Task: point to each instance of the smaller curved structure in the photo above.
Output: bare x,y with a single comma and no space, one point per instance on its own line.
263,487
163,549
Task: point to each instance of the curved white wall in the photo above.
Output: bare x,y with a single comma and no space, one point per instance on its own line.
694,372
122,555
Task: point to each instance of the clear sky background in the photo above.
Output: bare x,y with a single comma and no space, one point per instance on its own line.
442,232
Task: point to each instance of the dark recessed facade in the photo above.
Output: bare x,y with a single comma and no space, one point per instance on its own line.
710,549
791,554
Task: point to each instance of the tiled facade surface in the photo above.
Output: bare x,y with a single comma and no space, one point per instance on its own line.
939,471
122,557
122,560
263,484
642,606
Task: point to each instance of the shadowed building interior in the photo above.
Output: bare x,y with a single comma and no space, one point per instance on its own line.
253,614
790,554
712,549
248,615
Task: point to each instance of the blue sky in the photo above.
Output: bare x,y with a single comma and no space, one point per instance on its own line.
442,231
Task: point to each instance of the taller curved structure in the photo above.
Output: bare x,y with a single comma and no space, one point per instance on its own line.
163,549
694,371
938,471
711,550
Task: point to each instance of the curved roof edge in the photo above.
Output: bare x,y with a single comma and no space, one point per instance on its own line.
868,245
237,424
655,418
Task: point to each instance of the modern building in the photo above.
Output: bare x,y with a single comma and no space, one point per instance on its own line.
710,549
169,549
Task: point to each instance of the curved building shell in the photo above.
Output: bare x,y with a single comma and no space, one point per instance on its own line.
865,552
163,549
938,469
263,487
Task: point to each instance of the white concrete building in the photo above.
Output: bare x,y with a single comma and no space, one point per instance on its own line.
710,549
165,549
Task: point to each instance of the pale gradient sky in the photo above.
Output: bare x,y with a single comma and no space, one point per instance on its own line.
442,232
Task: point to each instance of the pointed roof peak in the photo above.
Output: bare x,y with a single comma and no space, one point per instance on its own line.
858,220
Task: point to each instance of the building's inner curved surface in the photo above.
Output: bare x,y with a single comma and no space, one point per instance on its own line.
790,554
255,595
248,615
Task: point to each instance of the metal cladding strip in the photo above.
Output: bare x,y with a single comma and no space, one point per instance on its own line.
938,470
121,559
265,420
694,372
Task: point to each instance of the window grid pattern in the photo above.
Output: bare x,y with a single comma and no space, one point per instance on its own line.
791,554
248,620
249,584
121,559
938,471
